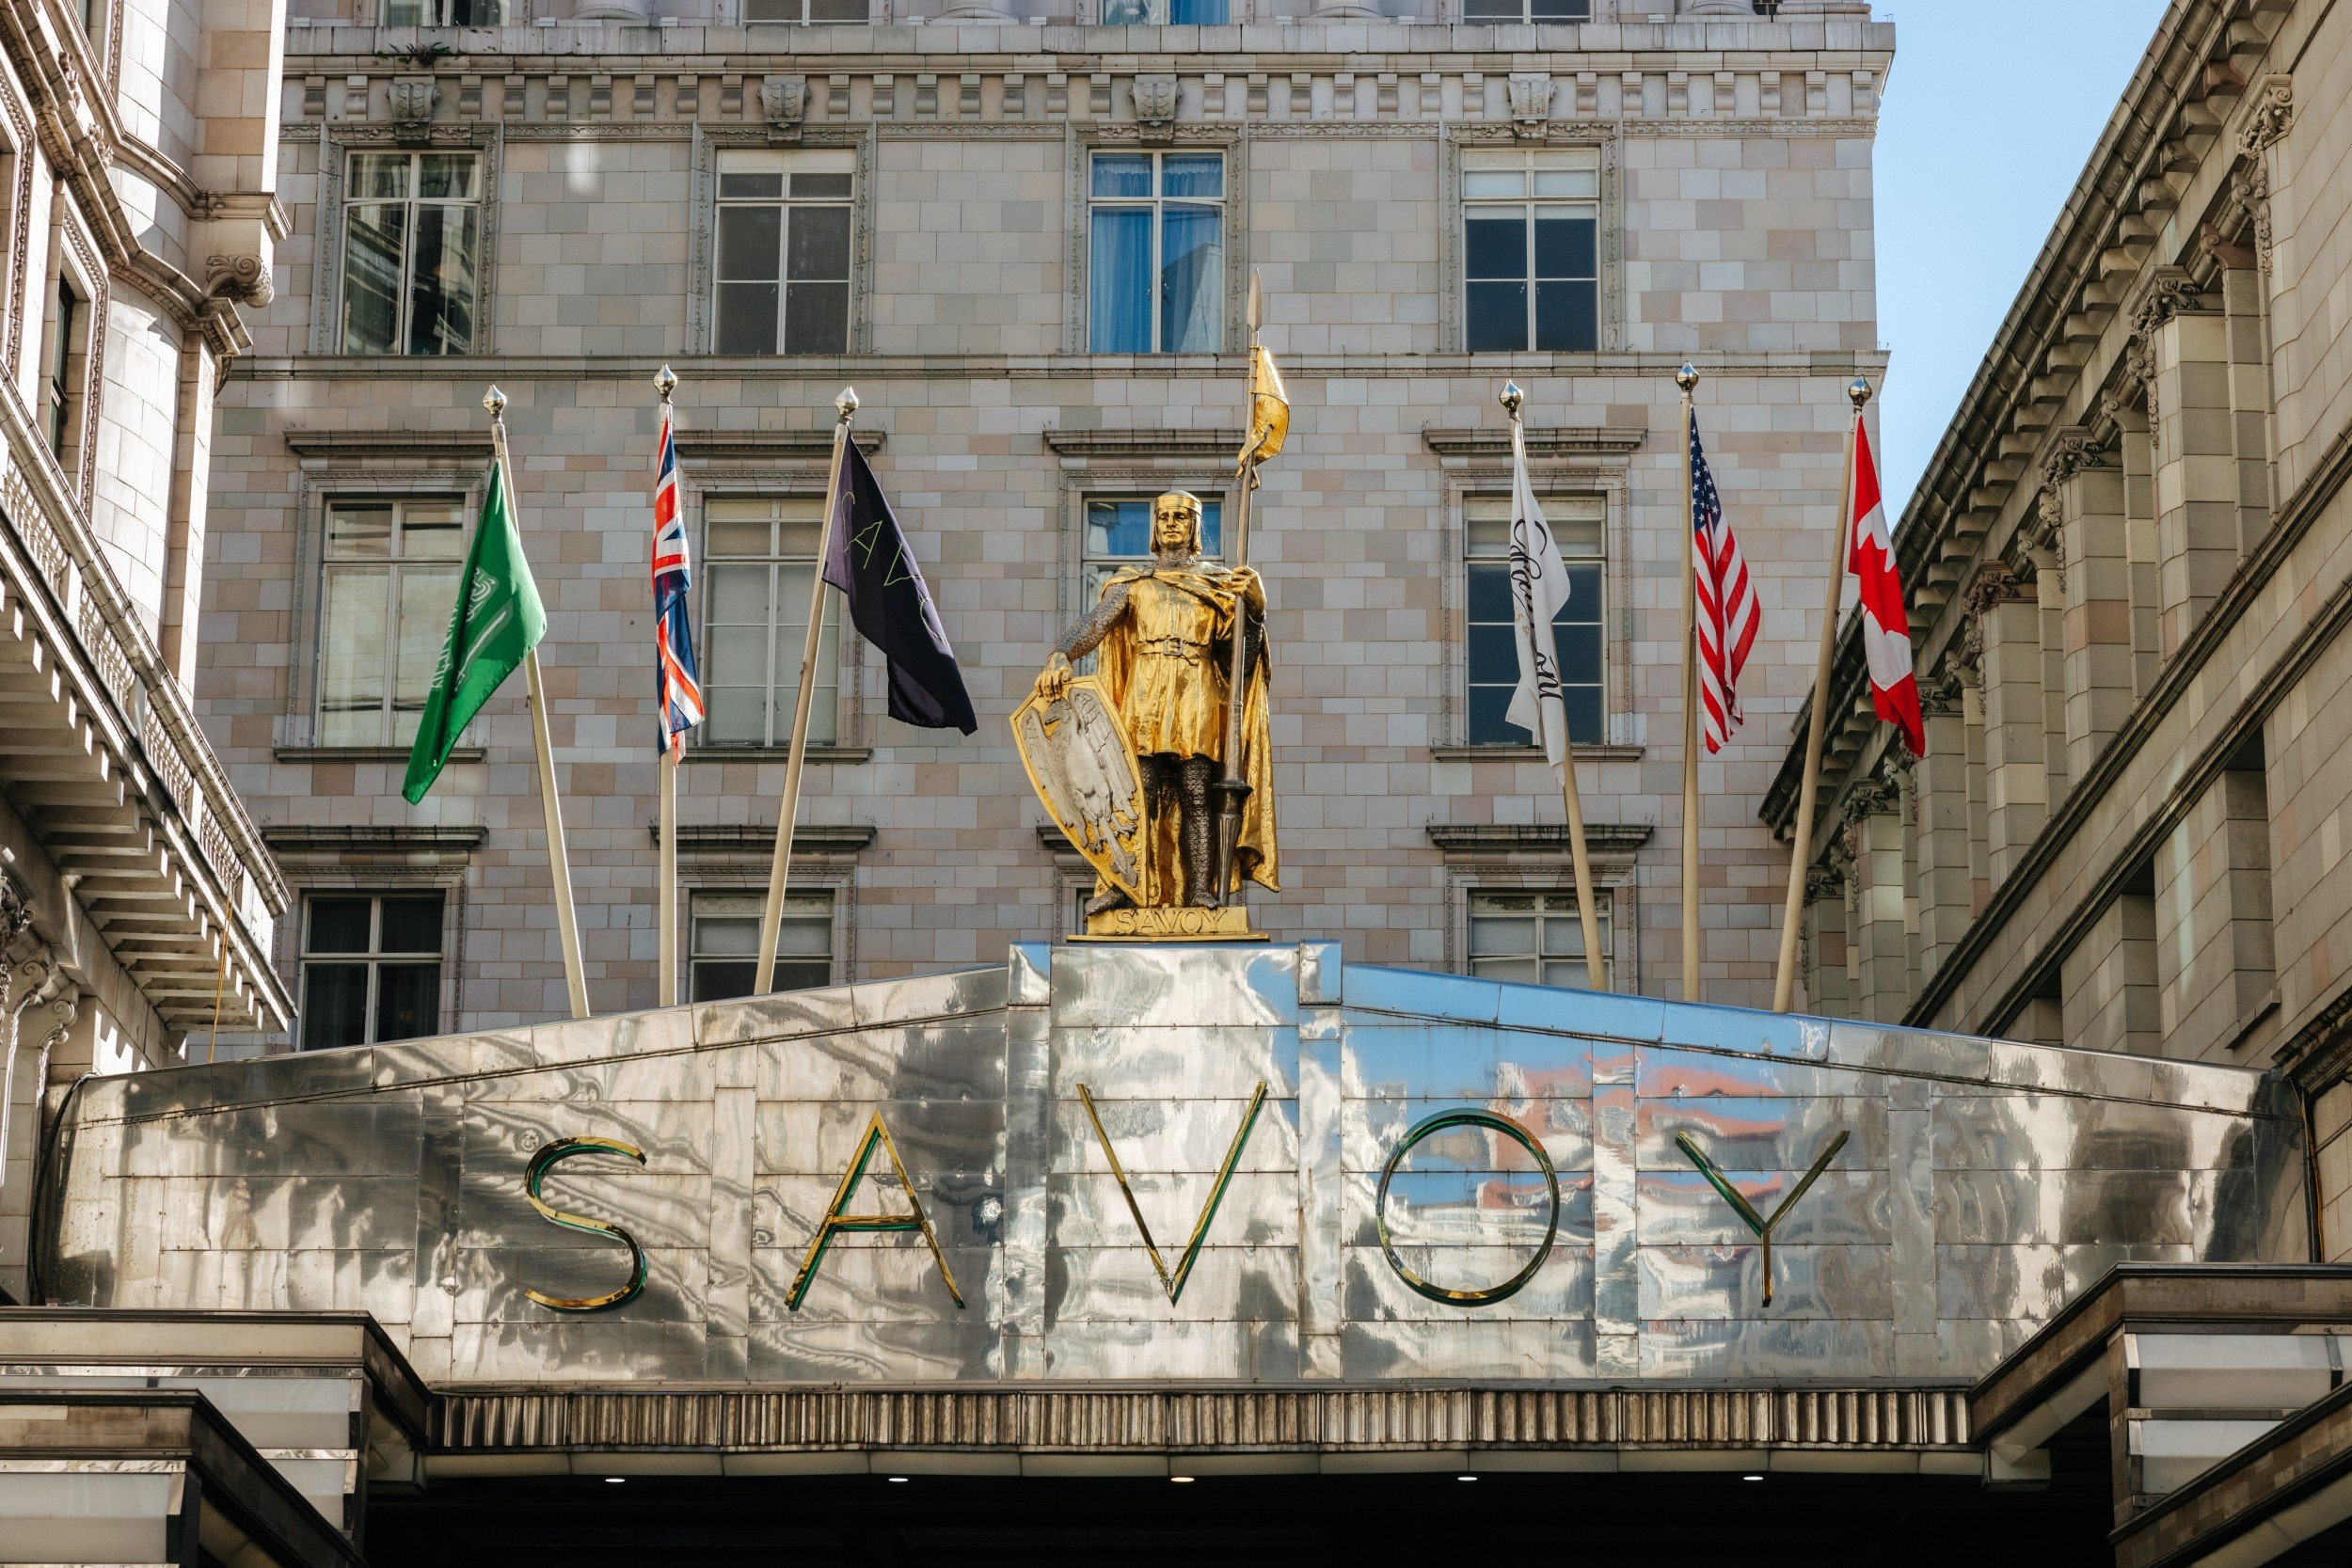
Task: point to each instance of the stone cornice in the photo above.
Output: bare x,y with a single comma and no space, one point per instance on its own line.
348,445
812,838
360,838
1145,442
775,446
1549,838
1559,441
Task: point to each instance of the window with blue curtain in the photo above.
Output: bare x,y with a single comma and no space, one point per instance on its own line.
1156,262
1531,250
1178,13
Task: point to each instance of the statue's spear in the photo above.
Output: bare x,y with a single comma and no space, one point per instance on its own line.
1268,411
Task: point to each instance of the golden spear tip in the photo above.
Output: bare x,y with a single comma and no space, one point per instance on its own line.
665,382
494,401
846,404
1858,391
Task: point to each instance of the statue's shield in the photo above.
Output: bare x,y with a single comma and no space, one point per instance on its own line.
1085,772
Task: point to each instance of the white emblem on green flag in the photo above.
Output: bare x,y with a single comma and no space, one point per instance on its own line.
496,620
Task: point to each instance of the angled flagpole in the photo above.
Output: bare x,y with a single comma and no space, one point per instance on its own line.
1688,379
780,868
1808,789
559,858
1525,605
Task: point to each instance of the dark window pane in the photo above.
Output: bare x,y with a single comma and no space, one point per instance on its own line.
1196,13
820,184
817,318
1565,318
1495,247
1495,318
1579,650
836,10
718,981
1564,246
408,1001
802,974
411,925
334,1004
1491,10
749,240
821,245
440,295
1493,653
1487,727
750,186
371,247
1192,278
338,926
1490,593
1561,10
747,318
1584,590
1585,717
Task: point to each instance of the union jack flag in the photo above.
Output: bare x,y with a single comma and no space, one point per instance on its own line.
678,689
1728,613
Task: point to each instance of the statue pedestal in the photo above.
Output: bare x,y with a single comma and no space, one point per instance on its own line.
1174,925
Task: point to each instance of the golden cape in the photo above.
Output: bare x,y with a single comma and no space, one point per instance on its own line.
1163,861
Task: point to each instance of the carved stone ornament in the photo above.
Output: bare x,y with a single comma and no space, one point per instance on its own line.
1823,881
412,100
1530,105
1996,583
783,104
243,278
2269,117
2171,292
1964,660
1939,694
1155,104
2073,451
2249,189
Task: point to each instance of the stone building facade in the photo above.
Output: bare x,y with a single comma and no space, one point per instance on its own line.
138,156
2128,570
1025,241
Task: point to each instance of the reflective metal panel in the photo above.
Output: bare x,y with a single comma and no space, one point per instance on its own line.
1971,1187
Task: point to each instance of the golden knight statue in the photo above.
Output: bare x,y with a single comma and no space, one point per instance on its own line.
1165,633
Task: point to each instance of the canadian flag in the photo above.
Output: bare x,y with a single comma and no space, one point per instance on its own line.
1886,629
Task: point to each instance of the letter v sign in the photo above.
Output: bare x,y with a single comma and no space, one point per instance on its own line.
1746,1211
1175,1284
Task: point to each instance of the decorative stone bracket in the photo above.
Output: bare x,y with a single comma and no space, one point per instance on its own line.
1530,105
783,105
412,100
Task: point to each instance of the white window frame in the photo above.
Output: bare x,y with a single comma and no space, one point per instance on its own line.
781,679
374,958
395,565
414,203
800,908
1157,204
1530,163
787,163
1553,905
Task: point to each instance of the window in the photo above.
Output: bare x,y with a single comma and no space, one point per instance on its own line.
1535,938
759,560
1155,13
1157,268
412,233
804,11
371,968
723,946
391,576
1531,226
1493,662
444,13
1509,12
1119,533
783,276
59,347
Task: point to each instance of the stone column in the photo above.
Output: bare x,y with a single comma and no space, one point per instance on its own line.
1874,842
2137,453
1941,779
1824,936
2244,313
1968,667
2109,981
183,554
2049,591
2016,724
2086,494
2196,454
2215,956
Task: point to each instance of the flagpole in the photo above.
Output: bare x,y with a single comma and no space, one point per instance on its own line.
1817,728
1577,854
559,858
1234,785
1688,379
780,868
665,383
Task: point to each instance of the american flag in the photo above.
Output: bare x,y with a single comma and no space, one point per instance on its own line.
1728,613
678,689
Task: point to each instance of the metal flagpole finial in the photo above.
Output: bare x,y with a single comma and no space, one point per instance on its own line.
1858,391
665,382
1688,378
494,401
1510,398
846,404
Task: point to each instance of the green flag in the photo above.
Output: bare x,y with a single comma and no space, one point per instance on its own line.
497,620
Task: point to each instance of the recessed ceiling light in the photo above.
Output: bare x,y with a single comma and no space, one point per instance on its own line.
1464,1478
898,1480
1750,1477
614,1481
1181,1481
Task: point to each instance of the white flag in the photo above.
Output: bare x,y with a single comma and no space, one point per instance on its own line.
1539,590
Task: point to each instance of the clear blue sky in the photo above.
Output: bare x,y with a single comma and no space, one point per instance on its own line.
1992,109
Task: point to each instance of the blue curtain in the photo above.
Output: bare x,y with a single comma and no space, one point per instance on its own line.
1121,282
1196,13
1192,246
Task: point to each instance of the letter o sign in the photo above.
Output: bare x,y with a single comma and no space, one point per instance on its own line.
1492,1121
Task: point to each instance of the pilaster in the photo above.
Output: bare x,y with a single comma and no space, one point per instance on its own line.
2016,725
